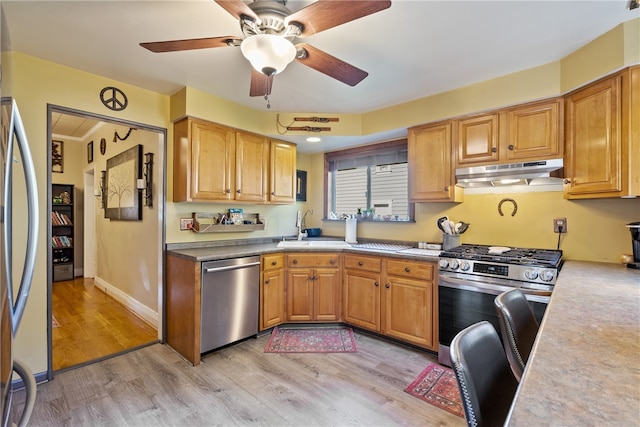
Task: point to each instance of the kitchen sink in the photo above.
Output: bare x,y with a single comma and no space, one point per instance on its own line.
338,244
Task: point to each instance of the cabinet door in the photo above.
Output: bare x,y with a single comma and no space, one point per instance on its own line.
326,294
478,139
272,298
282,182
211,156
430,169
361,299
593,155
408,310
534,131
252,153
300,294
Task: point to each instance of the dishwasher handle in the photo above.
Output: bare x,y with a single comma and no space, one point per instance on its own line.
230,267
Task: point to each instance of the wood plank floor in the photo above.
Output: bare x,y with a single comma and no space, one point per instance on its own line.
241,385
92,324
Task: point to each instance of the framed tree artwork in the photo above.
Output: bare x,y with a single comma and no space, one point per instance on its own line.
123,200
57,156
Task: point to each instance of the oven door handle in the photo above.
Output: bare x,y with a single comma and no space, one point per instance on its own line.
490,288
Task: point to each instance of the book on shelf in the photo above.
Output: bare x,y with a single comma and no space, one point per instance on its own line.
61,241
58,218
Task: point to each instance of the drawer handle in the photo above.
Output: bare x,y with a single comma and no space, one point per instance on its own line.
376,284
387,286
407,270
295,261
360,263
274,262
266,282
333,261
511,147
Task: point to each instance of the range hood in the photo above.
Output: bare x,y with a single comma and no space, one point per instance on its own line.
526,173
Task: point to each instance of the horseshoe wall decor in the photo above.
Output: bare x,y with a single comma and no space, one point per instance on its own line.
515,206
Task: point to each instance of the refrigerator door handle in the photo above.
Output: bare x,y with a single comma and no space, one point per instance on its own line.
16,127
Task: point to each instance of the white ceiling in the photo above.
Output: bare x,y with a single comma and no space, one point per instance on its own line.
411,50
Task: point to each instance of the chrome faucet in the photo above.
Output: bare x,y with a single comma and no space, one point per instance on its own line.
299,226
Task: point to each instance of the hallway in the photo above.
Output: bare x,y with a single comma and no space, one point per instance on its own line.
89,324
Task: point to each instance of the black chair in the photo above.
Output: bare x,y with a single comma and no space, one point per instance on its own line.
518,327
487,385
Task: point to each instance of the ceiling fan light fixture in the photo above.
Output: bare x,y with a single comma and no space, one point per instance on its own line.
268,53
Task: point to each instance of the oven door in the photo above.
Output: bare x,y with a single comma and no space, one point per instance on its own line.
466,299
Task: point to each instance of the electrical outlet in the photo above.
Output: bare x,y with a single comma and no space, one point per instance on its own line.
559,222
186,223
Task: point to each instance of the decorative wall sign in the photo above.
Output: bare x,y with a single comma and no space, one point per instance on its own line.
57,156
123,198
301,186
113,98
90,152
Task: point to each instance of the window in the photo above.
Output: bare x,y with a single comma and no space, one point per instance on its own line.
370,181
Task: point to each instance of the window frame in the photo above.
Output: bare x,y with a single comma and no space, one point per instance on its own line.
363,151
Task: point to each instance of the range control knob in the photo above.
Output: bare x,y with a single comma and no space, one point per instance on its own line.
546,275
464,266
443,263
531,274
454,264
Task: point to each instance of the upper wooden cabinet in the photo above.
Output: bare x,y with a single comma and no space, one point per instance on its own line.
477,139
431,174
603,138
282,170
525,132
212,163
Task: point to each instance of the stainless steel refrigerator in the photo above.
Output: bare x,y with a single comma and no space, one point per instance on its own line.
18,210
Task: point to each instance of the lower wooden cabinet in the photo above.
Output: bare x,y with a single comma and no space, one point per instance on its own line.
272,281
391,296
313,284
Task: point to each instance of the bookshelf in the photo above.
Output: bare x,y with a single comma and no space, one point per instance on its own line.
62,228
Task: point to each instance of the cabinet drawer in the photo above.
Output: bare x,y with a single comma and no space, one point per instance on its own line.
313,260
415,270
272,262
360,262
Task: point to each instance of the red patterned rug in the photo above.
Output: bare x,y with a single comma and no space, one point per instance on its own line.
311,340
437,385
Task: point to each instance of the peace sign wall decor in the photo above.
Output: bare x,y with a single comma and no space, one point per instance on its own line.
113,98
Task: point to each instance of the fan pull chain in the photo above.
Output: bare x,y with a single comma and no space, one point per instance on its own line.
266,98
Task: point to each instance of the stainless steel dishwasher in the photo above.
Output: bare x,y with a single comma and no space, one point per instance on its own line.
229,305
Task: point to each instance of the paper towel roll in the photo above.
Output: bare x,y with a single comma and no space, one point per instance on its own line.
350,226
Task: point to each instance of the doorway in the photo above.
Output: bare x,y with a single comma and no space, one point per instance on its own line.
115,264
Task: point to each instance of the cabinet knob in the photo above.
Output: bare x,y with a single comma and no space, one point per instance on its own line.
238,191
376,284
332,261
511,147
446,188
295,261
274,262
228,191
387,286
407,269
266,282
360,263
494,149
273,193
566,181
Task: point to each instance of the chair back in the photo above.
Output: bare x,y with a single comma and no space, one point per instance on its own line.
487,385
518,327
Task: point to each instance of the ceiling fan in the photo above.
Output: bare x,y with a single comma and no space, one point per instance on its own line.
270,28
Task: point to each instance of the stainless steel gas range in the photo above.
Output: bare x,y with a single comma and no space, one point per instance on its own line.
471,276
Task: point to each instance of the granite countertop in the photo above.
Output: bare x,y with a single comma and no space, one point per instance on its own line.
584,369
212,253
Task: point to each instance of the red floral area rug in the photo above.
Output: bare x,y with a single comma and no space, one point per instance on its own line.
311,340
437,385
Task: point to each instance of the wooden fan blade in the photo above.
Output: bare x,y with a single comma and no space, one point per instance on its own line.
237,8
325,14
331,66
188,44
260,83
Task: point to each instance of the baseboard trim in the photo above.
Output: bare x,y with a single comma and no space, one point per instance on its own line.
139,309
